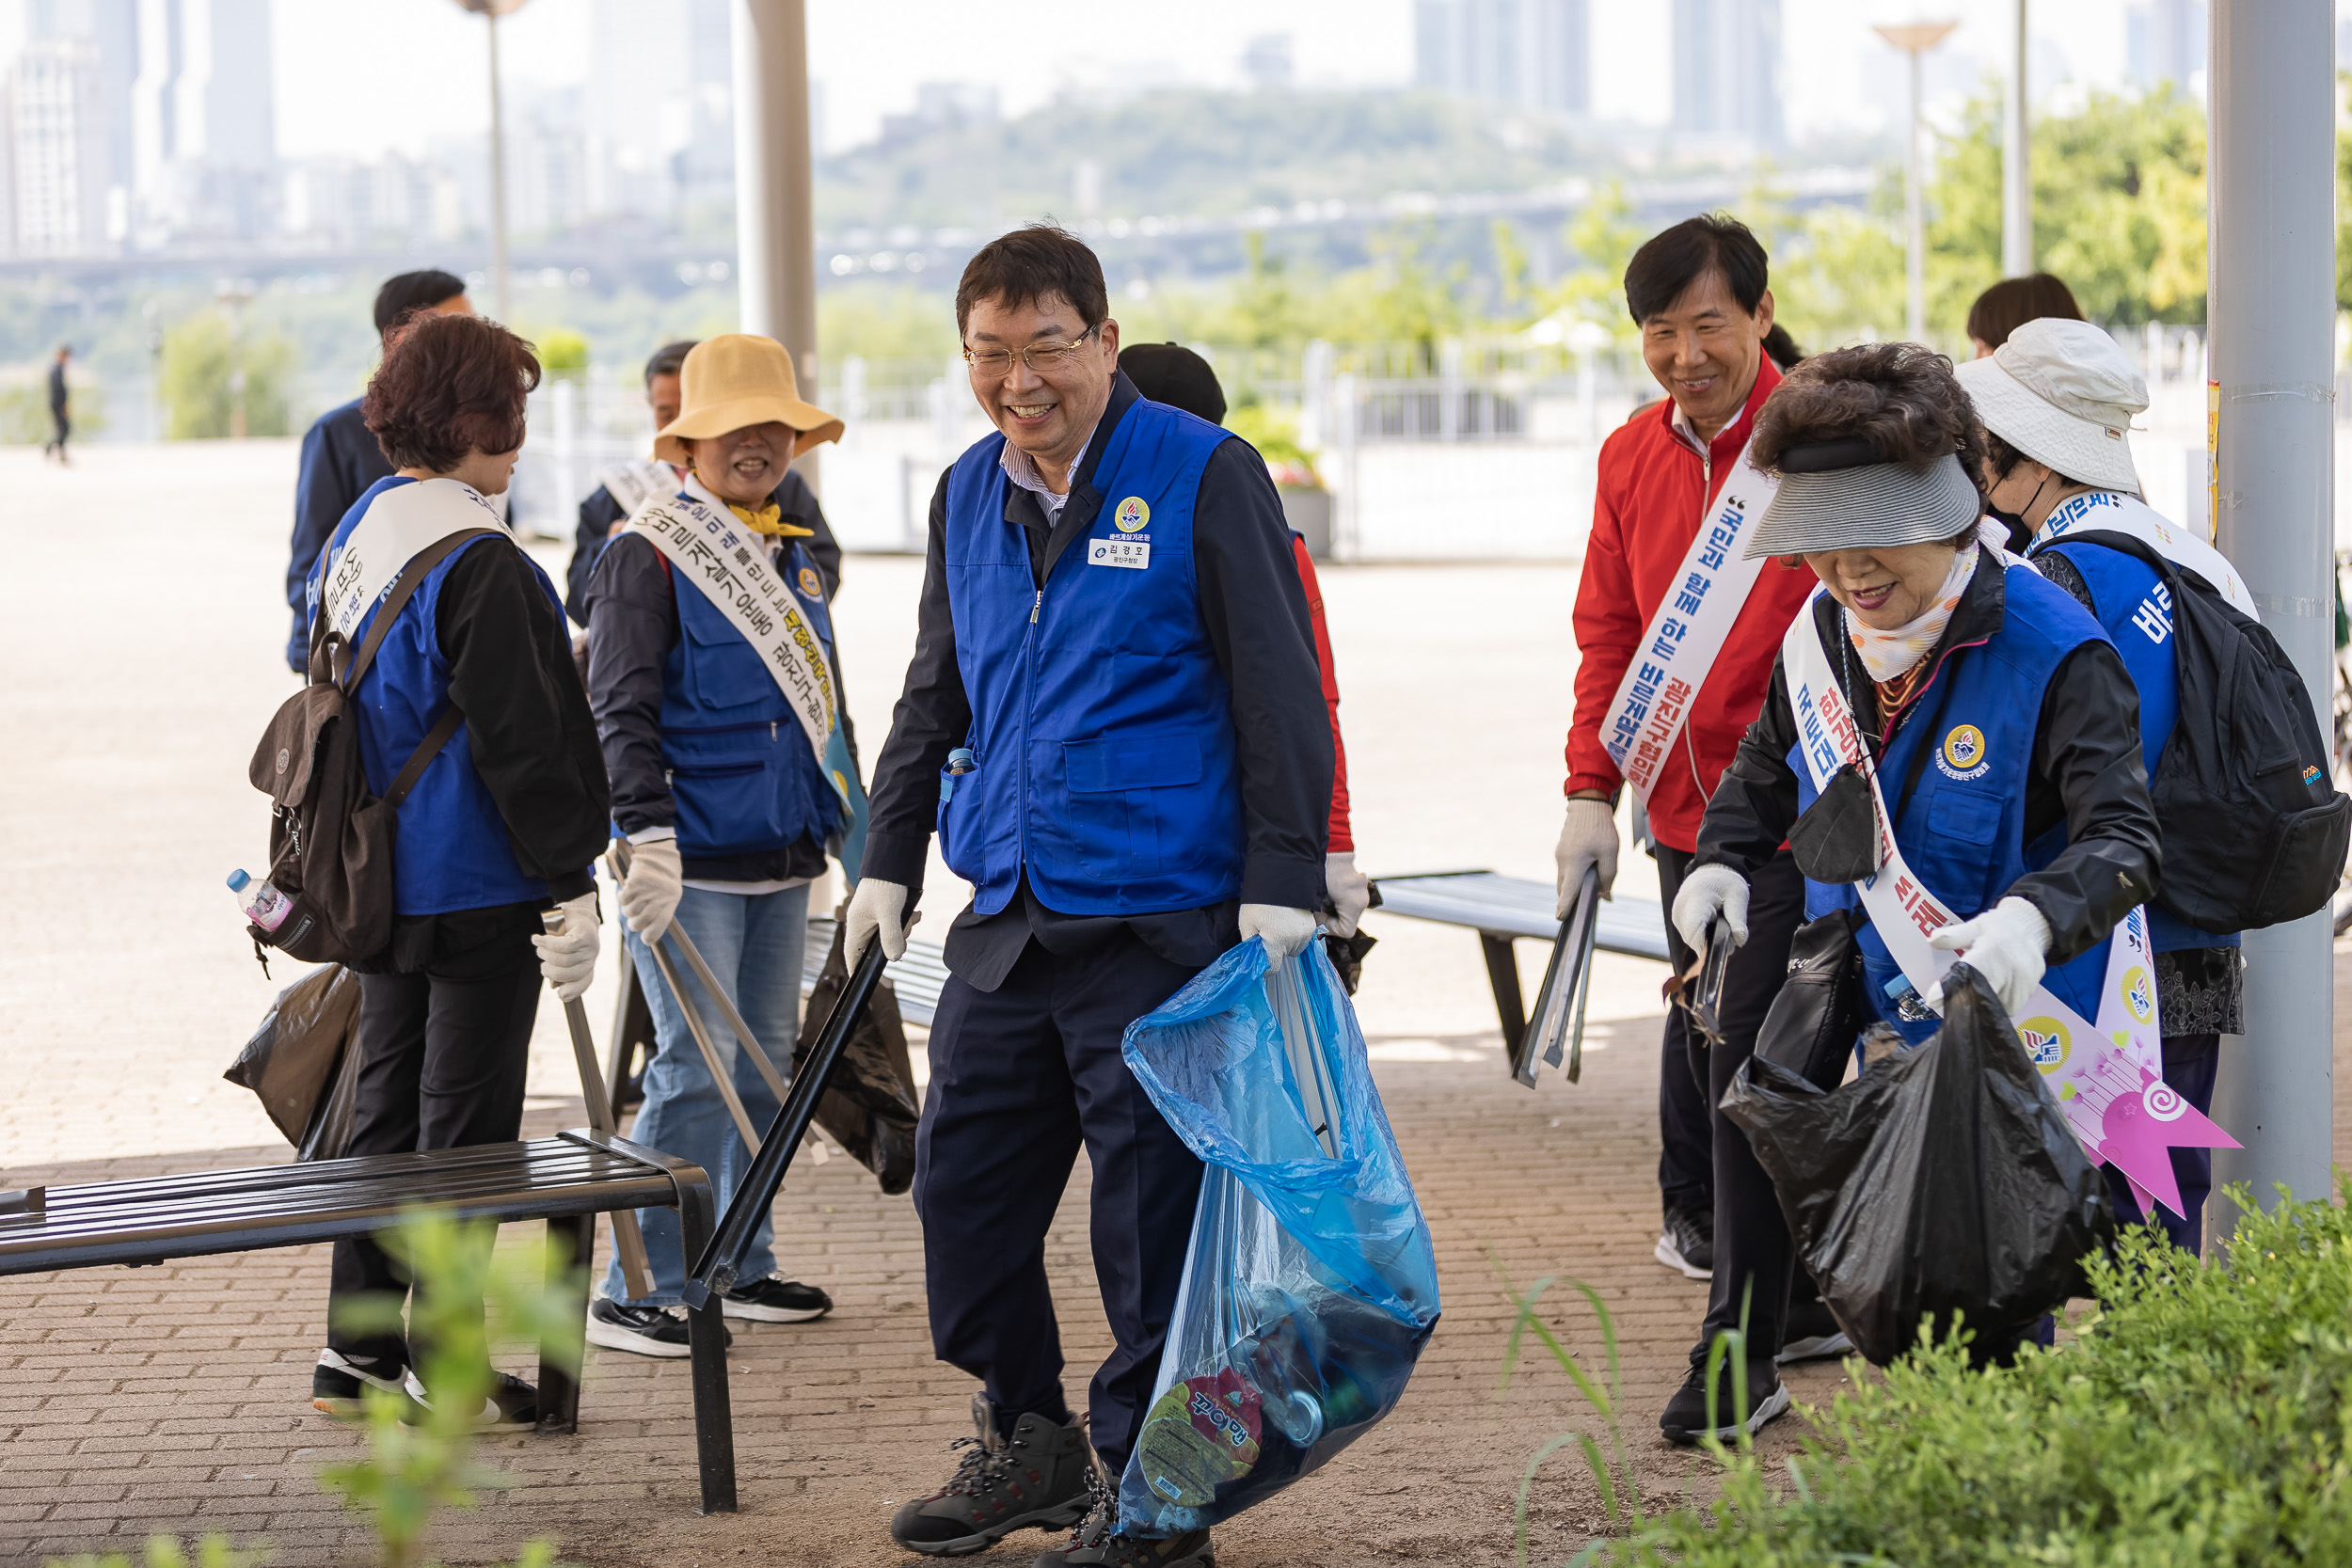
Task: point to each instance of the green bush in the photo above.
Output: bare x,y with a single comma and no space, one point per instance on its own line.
2200,1416
202,356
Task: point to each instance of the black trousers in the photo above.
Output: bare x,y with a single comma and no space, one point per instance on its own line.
1021,1077
442,1057
1755,1262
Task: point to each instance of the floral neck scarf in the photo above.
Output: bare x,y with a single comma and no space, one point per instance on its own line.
1890,654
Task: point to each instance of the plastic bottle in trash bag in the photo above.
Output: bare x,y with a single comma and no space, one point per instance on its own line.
1309,1285
1943,1182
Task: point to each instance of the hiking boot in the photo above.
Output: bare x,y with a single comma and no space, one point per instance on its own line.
1812,1334
339,1384
776,1300
1035,1479
1685,1420
1098,1544
510,1402
1686,1242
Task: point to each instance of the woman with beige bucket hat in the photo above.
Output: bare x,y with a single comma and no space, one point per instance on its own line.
2055,400
712,673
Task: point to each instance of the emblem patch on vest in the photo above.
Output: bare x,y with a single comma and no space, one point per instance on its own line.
1962,754
1132,514
812,586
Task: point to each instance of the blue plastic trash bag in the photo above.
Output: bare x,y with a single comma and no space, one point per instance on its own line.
1309,1286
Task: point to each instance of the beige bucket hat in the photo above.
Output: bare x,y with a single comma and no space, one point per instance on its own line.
2063,394
736,380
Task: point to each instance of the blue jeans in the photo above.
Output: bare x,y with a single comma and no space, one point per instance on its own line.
753,945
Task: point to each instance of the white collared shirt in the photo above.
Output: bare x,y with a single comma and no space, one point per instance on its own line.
1023,470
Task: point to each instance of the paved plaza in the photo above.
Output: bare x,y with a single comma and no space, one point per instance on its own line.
140,634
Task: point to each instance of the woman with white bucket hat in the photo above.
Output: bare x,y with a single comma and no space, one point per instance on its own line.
2055,400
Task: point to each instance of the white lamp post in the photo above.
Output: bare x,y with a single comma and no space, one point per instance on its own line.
490,10
1915,38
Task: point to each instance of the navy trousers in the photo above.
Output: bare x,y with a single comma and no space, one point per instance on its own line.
1021,1077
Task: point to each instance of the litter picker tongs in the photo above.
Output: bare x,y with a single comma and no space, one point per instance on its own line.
1318,1095
628,1243
1557,1026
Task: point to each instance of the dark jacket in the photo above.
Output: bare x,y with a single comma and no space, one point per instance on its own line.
599,514
340,460
2086,773
1262,638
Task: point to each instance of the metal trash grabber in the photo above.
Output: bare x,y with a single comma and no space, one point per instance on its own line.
716,1270
628,1243
719,1077
1558,1018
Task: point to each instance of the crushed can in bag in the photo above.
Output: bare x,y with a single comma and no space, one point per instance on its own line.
1309,1285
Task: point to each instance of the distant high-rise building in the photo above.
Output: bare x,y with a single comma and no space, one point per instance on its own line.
1536,54
1726,72
203,122
2164,40
1265,60
57,130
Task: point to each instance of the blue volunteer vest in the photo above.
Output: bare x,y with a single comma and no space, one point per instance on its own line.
740,768
1100,724
1962,829
451,851
2136,608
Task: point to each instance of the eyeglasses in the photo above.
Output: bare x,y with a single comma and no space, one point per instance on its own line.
1043,358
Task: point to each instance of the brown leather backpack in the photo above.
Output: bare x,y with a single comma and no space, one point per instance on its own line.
331,839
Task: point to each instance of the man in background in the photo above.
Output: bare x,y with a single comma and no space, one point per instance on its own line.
58,402
340,458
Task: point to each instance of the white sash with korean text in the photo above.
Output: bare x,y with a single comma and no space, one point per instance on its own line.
1679,645
729,564
2116,512
634,486
398,523
2107,1078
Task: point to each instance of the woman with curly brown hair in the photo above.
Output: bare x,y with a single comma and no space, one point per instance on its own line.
473,720
1940,688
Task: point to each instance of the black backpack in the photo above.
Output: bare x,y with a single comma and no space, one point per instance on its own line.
330,837
2254,828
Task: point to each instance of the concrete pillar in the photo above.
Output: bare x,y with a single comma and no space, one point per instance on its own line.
775,229
2271,236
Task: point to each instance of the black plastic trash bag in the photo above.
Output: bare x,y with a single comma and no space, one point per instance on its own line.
1943,1180
868,1104
301,1064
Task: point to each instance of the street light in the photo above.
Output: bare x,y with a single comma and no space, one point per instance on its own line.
490,10
1915,38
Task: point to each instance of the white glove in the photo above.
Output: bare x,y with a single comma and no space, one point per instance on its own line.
2008,944
567,954
1351,892
1287,932
650,892
876,907
1587,837
1707,893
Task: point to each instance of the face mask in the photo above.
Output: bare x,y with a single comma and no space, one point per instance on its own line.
2015,521
1836,839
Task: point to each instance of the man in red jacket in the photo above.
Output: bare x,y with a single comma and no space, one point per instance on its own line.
1677,639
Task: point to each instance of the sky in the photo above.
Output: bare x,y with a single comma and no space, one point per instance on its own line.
425,80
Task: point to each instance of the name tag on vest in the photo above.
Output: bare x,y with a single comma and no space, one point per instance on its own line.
1133,553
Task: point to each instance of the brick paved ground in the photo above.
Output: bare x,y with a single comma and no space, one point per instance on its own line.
174,1399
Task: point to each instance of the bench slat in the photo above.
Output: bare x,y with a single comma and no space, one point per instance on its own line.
1518,907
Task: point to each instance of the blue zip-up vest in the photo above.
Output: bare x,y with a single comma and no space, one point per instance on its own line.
2136,608
740,768
451,851
1101,726
1962,829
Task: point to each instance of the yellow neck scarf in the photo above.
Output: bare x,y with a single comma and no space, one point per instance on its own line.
770,520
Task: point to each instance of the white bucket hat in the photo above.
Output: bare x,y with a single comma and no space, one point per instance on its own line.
2063,394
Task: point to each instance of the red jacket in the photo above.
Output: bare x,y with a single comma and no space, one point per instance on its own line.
1653,489
1342,843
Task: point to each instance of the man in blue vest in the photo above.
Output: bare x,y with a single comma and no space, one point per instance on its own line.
1114,721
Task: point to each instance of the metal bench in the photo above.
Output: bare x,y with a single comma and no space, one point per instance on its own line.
1503,909
566,1181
